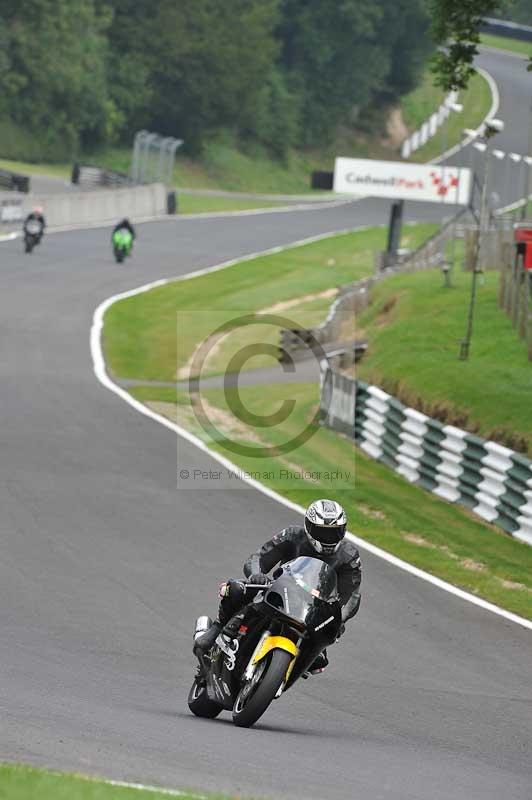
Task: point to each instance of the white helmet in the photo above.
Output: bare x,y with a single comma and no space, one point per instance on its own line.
325,524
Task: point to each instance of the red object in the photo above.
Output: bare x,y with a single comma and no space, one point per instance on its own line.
523,236
243,629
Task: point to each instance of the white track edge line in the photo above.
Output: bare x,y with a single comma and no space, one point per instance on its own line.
148,788
101,374
495,102
513,206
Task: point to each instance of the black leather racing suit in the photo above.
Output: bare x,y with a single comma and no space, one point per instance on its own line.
39,219
287,545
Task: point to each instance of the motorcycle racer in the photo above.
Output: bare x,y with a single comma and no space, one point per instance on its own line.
322,536
124,224
35,223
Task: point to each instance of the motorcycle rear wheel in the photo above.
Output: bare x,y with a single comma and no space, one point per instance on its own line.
200,703
249,708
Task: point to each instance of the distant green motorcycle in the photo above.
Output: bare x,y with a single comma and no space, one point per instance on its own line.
122,244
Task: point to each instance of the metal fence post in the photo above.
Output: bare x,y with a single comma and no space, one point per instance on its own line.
153,158
135,160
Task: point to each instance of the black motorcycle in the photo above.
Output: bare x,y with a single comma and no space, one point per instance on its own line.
280,633
32,235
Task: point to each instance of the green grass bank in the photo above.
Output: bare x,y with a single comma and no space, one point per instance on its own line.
476,101
503,43
414,326
18,782
140,333
140,342
383,508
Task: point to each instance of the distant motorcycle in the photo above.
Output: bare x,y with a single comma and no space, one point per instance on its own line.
280,633
122,244
32,235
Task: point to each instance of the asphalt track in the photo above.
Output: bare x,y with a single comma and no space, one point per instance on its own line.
104,566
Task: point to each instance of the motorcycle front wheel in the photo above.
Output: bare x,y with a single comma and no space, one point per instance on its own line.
250,705
200,703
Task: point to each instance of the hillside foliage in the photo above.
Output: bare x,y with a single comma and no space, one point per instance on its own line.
519,11
79,74
455,24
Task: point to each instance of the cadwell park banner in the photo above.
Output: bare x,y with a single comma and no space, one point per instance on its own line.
396,180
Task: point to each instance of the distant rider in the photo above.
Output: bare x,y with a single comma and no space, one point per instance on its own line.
323,537
34,224
124,225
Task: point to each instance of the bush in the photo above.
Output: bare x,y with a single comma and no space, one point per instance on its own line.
18,143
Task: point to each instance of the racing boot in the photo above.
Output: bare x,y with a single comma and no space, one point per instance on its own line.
319,664
205,640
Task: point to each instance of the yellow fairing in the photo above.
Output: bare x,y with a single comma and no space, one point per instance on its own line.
274,642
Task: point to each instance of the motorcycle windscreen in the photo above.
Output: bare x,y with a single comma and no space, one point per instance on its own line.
304,583
314,576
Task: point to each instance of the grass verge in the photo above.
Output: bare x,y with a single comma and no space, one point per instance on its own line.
503,43
19,782
414,326
419,104
384,509
445,540
476,100
22,167
140,332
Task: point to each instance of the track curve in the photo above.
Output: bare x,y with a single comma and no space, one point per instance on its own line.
103,567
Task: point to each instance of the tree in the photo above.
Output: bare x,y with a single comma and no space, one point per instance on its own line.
516,11
343,61
275,119
53,82
456,27
131,54
405,33
208,62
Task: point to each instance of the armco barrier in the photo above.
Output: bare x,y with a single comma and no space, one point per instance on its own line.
493,481
99,207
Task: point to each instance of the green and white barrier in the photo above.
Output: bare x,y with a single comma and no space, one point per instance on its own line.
493,481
